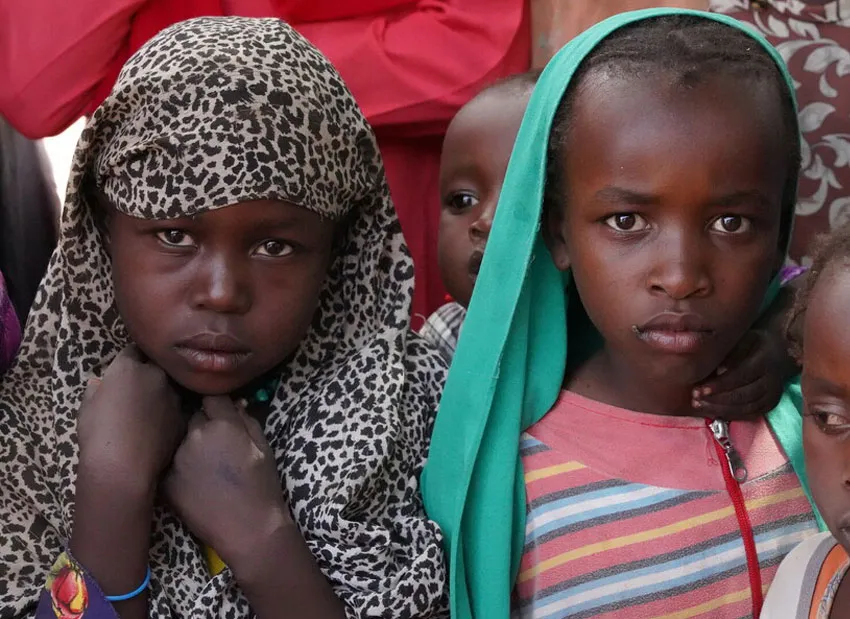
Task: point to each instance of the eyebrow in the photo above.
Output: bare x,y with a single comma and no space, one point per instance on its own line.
752,196
824,385
468,170
619,195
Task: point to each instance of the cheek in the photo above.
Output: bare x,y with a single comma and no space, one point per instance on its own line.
824,466
746,268
740,280
140,295
603,278
453,252
287,305
453,240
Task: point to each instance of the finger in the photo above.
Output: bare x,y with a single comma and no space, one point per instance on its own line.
746,412
131,351
744,371
762,393
739,396
220,407
746,348
128,356
196,422
255,431
92,386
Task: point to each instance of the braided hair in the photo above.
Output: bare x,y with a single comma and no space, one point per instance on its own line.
688,49
829,250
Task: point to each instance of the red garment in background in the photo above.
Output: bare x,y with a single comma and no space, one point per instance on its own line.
410,64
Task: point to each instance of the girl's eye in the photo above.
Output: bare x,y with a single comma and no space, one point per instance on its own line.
830,422
463,201
174,237
627,222
274,249
731,224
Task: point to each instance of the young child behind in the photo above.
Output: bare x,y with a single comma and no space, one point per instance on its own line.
811,581
653,183
475,156
218,409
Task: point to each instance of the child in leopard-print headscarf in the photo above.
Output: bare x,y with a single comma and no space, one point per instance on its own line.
218,408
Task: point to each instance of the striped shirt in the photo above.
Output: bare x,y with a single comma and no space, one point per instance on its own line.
629,516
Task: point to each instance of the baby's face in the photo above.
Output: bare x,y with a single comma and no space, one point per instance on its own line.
476,152
826,393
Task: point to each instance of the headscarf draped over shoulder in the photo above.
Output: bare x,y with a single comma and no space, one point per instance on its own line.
212,112
509,366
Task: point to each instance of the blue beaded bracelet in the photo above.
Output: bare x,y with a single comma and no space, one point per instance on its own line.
132,594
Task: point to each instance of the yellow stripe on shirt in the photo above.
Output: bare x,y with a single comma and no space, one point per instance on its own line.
651,534
550,471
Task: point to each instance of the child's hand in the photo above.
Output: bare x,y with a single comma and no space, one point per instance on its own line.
750,381
130,421
224,483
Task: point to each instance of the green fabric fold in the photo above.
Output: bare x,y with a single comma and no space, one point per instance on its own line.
509,364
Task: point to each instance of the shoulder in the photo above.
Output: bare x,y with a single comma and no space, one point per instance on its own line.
792,589
442,329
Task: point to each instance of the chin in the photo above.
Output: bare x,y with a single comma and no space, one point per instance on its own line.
209,384
683,371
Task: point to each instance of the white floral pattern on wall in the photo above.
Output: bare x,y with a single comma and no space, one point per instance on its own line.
814,40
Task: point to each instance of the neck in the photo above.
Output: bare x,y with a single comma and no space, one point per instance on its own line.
608,379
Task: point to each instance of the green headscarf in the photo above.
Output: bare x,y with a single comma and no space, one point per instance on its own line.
509,366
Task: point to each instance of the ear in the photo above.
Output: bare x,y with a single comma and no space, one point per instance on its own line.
102,212
103,224
554,235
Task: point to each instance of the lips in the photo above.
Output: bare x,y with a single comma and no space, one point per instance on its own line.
673,332
213,352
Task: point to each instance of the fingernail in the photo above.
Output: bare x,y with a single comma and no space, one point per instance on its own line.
706,391
721,371
696,404
695,394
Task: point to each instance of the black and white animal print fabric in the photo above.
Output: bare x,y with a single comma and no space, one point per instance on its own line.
212,112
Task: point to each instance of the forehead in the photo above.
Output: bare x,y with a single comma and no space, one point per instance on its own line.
826,337
220,110
490,121
261,216
721,131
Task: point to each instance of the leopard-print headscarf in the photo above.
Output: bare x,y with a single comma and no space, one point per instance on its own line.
212,112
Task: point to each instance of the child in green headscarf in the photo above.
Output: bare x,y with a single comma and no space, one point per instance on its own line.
653,181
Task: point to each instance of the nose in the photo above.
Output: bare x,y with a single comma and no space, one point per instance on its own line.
479,229
680,268
221,285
